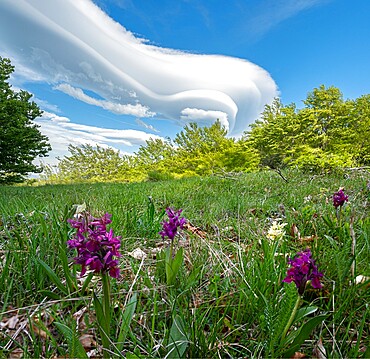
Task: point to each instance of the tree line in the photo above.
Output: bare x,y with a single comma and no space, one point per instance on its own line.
195,151
327,134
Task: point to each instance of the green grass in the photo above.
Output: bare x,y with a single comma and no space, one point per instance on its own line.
228,299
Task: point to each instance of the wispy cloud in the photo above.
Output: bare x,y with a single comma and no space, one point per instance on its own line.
45,105
141,123
270,13
114,107
202,9
62,132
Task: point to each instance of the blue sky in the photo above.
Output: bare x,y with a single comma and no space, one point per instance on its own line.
117,72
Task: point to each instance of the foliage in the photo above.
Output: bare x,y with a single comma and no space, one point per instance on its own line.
154,153
20,140
207,150
360,142
329,133
88,163
155,160
269,134
195,151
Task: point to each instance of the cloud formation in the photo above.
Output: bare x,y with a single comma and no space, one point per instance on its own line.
76,47
141,123
62,132
276,11
117,108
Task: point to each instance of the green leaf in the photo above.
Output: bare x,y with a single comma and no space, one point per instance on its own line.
70,280
178,339
75,348
53,277
302,334
133,356
173,264
98,309
87,282
102,322
193,277
126,319
303,312
50,294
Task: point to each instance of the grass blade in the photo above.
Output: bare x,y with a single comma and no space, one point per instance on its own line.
53,277
127,316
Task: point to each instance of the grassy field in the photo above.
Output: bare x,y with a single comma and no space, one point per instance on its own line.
227,299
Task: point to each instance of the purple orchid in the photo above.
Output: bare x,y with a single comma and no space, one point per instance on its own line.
170,228
97,248
339,198
303,269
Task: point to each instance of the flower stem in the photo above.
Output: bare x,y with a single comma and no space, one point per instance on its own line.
292,316
107,314
339,215
106,296
168,264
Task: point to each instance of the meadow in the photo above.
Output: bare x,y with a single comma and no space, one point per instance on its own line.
219,292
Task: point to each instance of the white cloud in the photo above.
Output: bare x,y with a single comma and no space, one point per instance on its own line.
117,108
270,13
198,115
45,105
145,125
62,132
77,48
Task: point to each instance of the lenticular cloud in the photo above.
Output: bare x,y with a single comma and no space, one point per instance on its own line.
76,47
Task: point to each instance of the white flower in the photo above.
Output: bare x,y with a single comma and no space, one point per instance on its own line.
138,253
276,231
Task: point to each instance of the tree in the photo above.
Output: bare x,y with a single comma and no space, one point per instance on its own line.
275,134
326,118
329,133
91,164
20,140
156,159
206,150
361,129
154,154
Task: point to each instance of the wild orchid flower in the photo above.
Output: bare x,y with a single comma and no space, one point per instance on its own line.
97,248
339,198
303,269
170,228
276,231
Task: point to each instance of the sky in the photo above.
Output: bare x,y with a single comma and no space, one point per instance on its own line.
116,73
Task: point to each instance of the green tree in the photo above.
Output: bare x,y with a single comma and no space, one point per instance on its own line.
326,135
155,159
91,164
275,134
20,140
329,133
326,118
361,130
206,150
240,157
200,149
